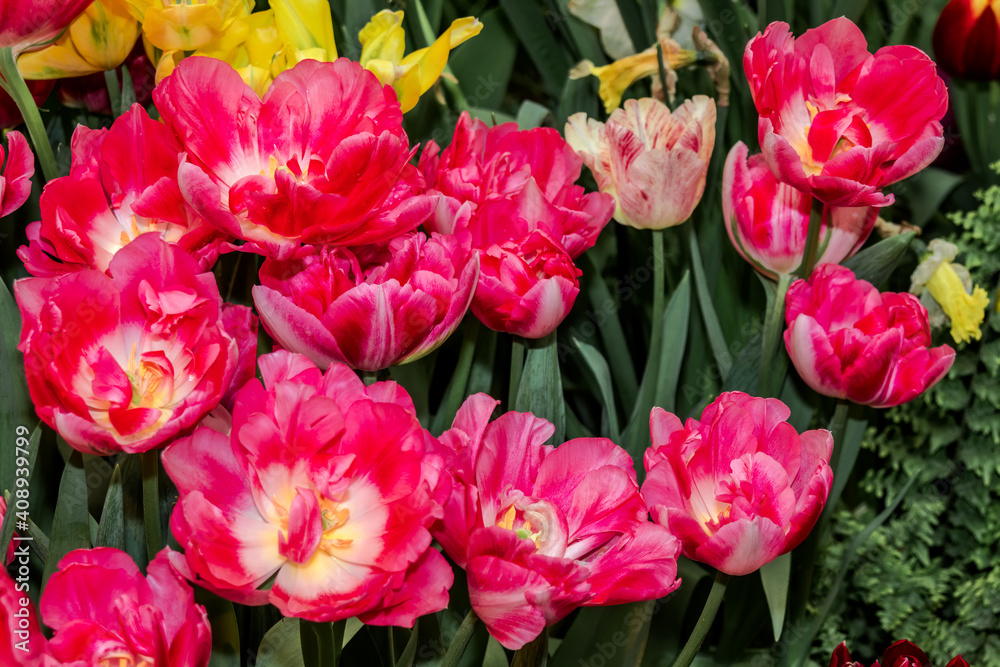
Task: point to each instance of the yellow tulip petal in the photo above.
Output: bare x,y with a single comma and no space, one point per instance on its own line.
167,63
264,40
432,60
182,27
104,33
306,25
257,78
383,69
407,87
965,310
57,61
383,38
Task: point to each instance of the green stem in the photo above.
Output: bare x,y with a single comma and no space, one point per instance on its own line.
369,377
446,76
151,501
516,369
457,648
15,86
772,336
321,642
534,654
704,623
115,92
812,239
455,393
659,295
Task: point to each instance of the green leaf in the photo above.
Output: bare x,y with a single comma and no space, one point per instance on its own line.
605,316
15,404
618,634
716,339
128,90
409,653
776,576
111,532
280,646
876,264
29,454
598,367
485,63
540,391
546,52
926,191
663,367
455,394
531,115
71,524
495,655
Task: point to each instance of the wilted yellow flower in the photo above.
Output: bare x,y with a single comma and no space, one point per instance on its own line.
306,30
383,45
946,288
187,25
622,73
97,40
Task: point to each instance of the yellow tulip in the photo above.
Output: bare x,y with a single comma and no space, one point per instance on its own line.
383,45
98,40
306,30
187,25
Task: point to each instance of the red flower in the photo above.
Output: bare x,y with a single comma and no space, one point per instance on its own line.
967,40
24,24
839,122
128,360
542,530
18,164
740,487
371,307
123,183
323,158
902,653
848,341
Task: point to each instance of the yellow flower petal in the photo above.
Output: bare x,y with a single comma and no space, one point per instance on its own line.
383,69
98,40
430,62
175,25
965,310
306,26
383,38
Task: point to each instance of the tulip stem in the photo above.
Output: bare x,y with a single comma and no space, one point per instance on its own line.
15,86
457,648
533,654
151,501
772,335
115,95
659,271
705,621
322,641
812,239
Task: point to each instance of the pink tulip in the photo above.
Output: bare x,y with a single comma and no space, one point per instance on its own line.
516,182
104,611
768,220
128,360
740,487
123,183
22,643
323,158
652,161
848,341
15,178
371,307
839,122
526,287
542,530
319,502
24,24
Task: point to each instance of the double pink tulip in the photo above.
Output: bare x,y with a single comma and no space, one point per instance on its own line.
652,161
123,183
323,158
127,360
515,194
849,341
319,500
371,307
103,611
739,487
542,530
839,122
768,220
